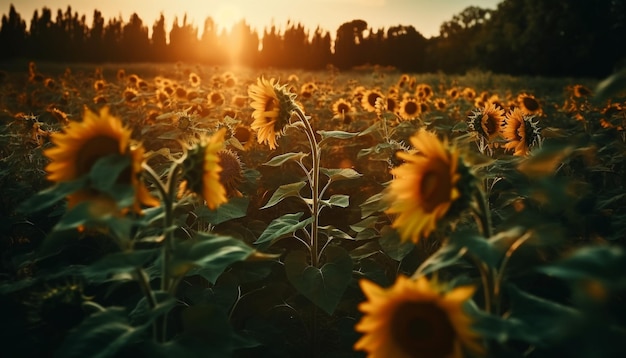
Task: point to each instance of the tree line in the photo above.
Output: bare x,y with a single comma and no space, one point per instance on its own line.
519,37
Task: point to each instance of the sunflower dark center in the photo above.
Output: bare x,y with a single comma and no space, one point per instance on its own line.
422,329
371,99
435,186
343,108
411,108
530,103
94,149
490,124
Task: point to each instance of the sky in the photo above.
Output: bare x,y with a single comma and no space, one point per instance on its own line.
424,15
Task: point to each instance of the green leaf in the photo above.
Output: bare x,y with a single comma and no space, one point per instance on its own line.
541,322
367,223
340,174
103,334
326,135
143,313
51,196
106,171
233,209
323,286
607,263
392,245
284,225
285,191
373,204
118,262
333,233
208,255
380,152
545,161
610,86
339,200
284,158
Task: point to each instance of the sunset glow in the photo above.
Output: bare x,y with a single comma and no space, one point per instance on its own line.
426,16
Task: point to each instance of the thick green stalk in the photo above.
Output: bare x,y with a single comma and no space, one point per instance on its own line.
315,176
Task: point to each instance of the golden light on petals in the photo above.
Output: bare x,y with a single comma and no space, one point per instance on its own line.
416,318
368,101
528,103
82,144
201,170
424,186
409,108
272,106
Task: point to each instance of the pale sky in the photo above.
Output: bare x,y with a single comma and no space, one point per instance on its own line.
425,15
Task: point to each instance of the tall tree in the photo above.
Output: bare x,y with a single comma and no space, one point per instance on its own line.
12,34
348,44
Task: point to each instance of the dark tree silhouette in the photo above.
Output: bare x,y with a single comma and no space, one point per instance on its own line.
553,38
348,44
12,35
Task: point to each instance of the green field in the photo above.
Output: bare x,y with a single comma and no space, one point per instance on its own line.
506,205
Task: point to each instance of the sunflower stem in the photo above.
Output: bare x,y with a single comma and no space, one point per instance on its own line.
144,284
497,285
485,275
482,213
315,175
167,192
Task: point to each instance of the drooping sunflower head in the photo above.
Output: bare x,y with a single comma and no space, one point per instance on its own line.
520,132
424,186
82,144
273,105
416,318
201,170
231,175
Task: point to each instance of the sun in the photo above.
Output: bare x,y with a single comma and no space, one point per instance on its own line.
227,15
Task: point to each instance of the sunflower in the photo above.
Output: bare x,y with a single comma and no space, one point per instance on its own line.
520,132
82,144
453,93
201,170
99,85
216,99
130,95
424,92
194,80
342,108
529,103
231,175
440,104
272,105
580,91
369,99
424,187
409,108
416,318
469,94
487,121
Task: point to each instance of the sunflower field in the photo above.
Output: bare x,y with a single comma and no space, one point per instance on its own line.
179,210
